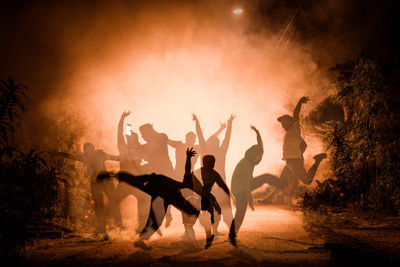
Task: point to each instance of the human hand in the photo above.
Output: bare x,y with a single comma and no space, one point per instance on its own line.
190,152
222,125
304,99
195,118
231,118
125,113
253,128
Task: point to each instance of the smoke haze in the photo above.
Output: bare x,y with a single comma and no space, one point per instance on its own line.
165,60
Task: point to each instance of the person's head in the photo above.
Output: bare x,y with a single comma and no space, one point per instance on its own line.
147,131
209,161
286,121
190,139
254,154
88,148
133,139
213,143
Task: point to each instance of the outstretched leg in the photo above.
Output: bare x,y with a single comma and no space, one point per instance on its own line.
183,205
241,207
313,169
157,213
280,183
267,179
226,208
297,167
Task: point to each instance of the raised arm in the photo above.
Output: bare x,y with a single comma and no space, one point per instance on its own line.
220,129
259,140
225,143
222,184
120,134
296,112
202,141
188,165
188,178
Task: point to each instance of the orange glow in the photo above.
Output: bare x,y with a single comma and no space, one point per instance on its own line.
163,72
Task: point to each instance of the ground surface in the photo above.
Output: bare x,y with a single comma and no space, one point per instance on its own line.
271,235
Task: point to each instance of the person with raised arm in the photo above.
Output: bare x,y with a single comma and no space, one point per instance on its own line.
243,183
293,149
129,148
180,154
212,147
131,154
294,145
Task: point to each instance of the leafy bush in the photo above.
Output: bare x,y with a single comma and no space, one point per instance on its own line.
29,182
364,148
28,189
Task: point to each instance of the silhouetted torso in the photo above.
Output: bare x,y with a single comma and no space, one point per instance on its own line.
157,155
209,177
94,162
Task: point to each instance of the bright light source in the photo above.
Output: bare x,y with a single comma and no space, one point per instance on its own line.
237,11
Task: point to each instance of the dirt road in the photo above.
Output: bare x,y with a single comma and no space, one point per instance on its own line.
270,235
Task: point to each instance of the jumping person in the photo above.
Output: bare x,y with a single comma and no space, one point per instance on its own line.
293,148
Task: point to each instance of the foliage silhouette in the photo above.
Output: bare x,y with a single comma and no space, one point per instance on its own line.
12,106
364,148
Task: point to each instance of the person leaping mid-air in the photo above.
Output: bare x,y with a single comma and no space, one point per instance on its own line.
164,191
293,148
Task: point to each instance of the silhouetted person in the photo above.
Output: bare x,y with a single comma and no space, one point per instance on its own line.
243,184
94,159
180,155
210,177
293,149
156,153
131,155
212,147
294,146
130,151
164,191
